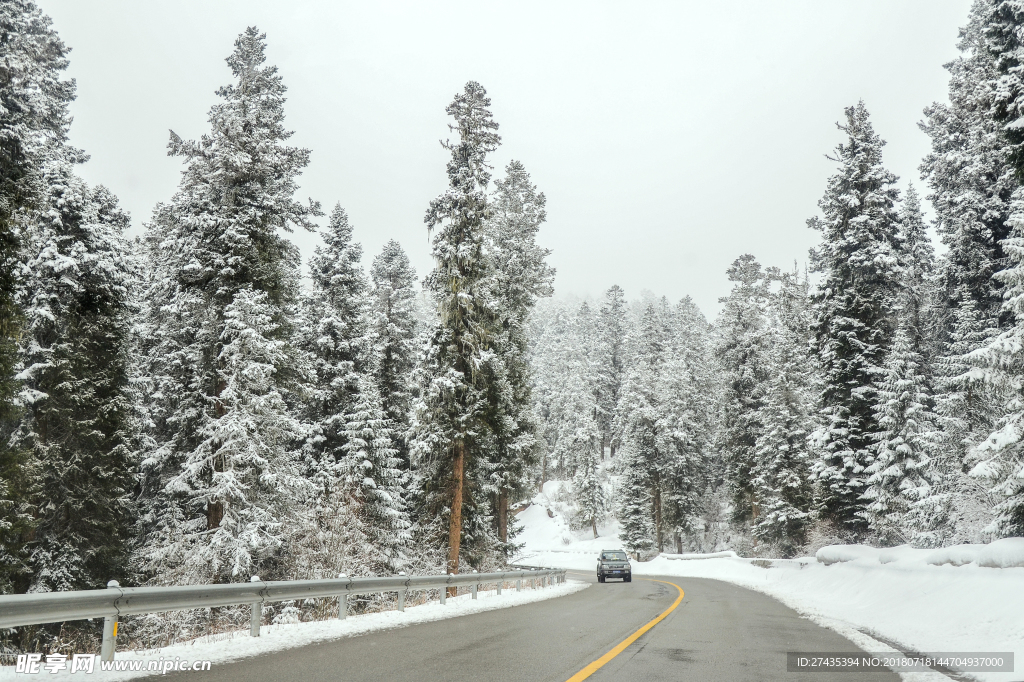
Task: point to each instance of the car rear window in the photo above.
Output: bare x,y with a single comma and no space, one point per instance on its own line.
613,556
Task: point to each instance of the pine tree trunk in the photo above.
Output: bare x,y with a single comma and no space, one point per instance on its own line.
215,510
455,523
503,515
657,518
593,524
679,544
543,472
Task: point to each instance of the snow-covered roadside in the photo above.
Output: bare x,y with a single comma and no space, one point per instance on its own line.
232,646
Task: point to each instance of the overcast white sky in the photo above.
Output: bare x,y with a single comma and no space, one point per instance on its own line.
668,137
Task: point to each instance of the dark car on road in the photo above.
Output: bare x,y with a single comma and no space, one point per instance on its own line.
614,564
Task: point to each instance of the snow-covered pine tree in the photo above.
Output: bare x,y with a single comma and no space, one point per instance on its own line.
640,413
561,396
334,336
742,351
34,122
392,332
215,241
972,182
970,176
918,282
520,277
244,462
687,398
587,490
901,476
372,480
1003,32
78,419
633,497
859,263
780,477
450,422
999,460
611,362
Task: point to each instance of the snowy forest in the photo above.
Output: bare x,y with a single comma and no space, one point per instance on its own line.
197,405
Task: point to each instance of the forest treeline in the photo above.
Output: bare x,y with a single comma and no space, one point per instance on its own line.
185,408
881,404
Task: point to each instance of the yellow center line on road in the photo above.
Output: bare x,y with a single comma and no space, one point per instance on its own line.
621,646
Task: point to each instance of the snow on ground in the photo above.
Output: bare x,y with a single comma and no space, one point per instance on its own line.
232,646
920,600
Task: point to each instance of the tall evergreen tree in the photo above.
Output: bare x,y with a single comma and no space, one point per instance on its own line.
901,476
78,423
334,335
687,397
1004,38
451,419
373,479
743,353
34,122
970,176
393,338
779,478
214,250
860,268
611,362
243,462
520,277
972,182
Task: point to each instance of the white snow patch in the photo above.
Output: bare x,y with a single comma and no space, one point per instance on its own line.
232,646
1005,553
713,555
835,554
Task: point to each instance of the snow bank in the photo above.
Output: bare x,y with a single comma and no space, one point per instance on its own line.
957,555
716,555
232,646
1005,553
834,554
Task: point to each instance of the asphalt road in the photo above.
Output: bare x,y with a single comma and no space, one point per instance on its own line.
718,632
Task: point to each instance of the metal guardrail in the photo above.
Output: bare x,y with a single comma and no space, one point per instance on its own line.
54,607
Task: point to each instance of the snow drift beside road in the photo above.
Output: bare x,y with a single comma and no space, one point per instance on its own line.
1005,553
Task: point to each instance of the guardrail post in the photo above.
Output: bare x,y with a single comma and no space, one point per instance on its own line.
401,594
500,583
444,594
519,584
109,630
475,588
257,613
342,601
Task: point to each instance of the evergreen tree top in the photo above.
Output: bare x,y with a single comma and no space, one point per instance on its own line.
242,165
859,202
468,172
34,99
334,268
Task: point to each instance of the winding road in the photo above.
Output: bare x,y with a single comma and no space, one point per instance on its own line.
718,631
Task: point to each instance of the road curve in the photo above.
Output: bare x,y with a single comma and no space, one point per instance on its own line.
718,632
